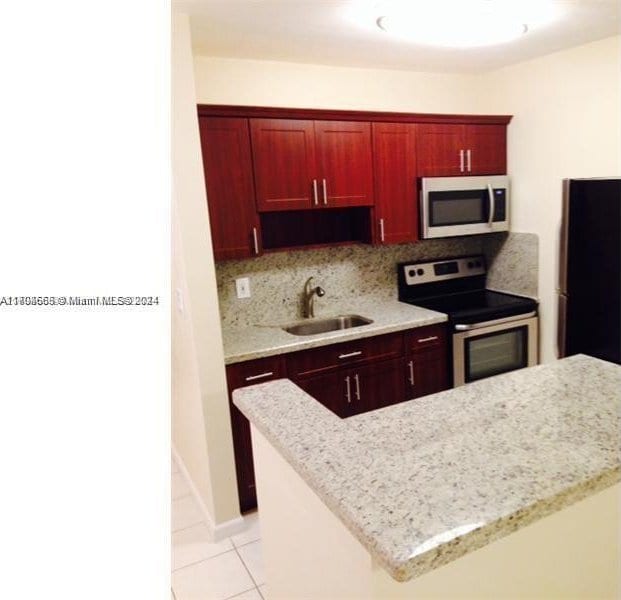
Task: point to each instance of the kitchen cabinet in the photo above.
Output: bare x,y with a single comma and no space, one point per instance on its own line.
237,376
284,164
227,163
394,166
458,149
303,164
348,378
426,361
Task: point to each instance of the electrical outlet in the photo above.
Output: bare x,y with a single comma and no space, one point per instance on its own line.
242,286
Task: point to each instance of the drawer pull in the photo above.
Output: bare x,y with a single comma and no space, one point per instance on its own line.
357,379
350,354
431,338
348,393
260,376
411,367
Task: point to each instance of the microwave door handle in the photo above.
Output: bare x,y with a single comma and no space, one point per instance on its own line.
492,207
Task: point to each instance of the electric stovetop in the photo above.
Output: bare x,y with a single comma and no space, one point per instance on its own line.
456,287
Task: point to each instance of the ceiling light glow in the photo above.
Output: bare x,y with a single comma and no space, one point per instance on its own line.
458,24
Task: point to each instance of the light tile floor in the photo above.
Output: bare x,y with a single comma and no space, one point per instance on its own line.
204,570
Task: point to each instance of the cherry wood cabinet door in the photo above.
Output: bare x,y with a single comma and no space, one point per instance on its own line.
488,149
241,375
376,385
396,195
426,372
330,389
344,163
441,150
227,163
283,153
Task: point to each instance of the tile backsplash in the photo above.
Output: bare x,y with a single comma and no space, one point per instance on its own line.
277,280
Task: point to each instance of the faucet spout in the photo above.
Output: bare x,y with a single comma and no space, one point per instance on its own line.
309,298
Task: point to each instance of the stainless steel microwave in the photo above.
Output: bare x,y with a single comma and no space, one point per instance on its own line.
452,206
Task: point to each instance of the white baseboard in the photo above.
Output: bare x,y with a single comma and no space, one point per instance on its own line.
216,531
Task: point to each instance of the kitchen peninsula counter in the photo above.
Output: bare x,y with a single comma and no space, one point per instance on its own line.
422,483
267,338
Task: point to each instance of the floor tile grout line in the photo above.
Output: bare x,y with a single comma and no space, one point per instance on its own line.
201,560
172,591
244,592
245,543
201,522
247,569
260,592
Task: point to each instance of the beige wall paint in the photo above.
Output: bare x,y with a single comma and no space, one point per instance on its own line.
567,123
201,428
270,83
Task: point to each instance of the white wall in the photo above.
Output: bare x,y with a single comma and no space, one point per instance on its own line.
567,123
269,83
201,428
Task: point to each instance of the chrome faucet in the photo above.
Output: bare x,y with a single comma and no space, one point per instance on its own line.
308,299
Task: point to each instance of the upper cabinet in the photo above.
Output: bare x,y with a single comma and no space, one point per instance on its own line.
227,162
457,149
284,163
284,178
301,164
394,166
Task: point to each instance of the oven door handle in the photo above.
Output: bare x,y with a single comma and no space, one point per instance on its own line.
463,327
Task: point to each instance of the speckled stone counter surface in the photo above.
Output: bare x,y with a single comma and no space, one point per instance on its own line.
424,482
269,339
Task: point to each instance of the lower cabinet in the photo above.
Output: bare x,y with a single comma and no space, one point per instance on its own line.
349,378
237,376
347,392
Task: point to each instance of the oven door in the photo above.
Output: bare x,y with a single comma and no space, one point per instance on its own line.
484,349
453,206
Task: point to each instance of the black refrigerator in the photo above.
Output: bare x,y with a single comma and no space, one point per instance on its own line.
590,269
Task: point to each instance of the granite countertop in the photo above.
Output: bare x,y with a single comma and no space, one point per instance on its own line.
426,481
269,339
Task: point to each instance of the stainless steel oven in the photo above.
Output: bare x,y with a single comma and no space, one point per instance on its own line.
484,349
453,206
491,332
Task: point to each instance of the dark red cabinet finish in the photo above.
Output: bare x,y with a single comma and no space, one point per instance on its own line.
225,144
349,378
396,195
284,163
301,164
426,361
344,163
237,376
447,150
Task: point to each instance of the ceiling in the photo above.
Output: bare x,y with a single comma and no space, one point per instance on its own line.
345,33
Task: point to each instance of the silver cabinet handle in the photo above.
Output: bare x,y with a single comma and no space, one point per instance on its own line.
469,160
260,376
382,229
348,392
427,339
461,161
350,354
315,195
411,368
325,192
357,380
255,239
492,207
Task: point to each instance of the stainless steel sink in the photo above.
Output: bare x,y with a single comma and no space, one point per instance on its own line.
325,325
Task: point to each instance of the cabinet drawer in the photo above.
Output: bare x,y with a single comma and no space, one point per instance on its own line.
309,362
255,371
425,337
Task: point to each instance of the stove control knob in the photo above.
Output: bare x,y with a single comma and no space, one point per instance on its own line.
421,271
470,264
477,264
412,273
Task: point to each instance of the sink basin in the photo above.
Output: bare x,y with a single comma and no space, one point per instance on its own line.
325,325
